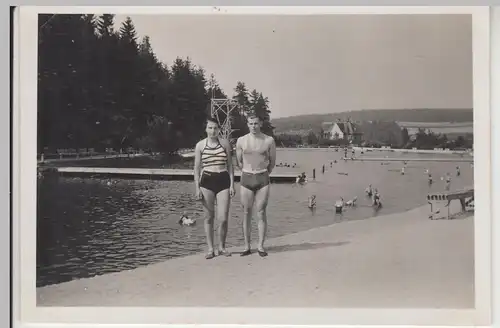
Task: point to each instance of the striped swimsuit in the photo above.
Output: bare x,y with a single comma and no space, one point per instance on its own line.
214,157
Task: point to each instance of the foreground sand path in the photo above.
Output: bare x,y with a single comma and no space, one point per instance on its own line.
399,260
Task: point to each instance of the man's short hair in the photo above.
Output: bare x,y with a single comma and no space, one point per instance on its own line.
252,115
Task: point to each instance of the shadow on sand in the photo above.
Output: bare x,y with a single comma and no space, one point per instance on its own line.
303,247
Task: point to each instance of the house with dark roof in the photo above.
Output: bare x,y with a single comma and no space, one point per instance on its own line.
345,130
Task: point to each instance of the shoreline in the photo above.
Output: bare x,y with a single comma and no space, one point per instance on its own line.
156,284
379,159
235,248
189,153
232,248
397,150
150,174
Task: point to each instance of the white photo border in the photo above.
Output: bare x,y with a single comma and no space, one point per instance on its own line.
24,206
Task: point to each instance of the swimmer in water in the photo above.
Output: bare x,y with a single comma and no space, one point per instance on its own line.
301,178
351,202
376,199
430,178
458,171
189,222
256,155
339,205
214,183
312,202
369,191
448,181
184,220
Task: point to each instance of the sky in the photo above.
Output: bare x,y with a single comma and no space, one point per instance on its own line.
325,63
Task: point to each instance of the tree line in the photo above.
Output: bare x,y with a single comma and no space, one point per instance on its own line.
430,140
104,88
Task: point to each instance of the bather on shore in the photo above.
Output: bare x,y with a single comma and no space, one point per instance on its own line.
214,183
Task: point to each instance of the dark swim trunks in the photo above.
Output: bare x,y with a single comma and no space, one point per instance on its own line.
254,181
215,181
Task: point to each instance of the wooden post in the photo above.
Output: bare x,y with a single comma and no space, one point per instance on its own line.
462,203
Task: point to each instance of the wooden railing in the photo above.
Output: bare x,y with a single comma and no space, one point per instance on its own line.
466,198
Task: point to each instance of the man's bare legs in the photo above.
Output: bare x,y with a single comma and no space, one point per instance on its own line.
261,199
247,201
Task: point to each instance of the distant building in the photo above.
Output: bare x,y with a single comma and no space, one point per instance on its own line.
342,130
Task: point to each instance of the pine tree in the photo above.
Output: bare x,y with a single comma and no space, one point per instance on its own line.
260,106
105,25
239,118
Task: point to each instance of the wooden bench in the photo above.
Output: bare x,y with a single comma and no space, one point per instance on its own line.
466,198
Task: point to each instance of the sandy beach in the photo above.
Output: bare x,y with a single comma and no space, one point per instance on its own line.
401,260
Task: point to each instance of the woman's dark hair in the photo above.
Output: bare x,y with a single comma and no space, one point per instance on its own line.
213,120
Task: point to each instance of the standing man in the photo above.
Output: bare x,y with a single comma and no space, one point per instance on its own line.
256,156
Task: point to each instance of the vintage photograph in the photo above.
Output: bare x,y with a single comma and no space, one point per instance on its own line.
313,161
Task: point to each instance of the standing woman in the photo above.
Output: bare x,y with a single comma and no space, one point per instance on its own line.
214,181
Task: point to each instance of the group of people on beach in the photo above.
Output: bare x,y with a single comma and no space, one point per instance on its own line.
214,182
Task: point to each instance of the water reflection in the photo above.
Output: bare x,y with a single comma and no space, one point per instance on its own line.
88,227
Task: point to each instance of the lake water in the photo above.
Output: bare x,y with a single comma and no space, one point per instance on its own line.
88,227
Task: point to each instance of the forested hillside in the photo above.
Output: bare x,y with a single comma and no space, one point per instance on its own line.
100,86
313,121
